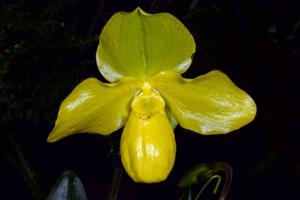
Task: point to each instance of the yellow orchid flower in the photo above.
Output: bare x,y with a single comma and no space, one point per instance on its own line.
143,55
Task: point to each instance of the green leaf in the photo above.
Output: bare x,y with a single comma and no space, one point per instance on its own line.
139,44
200,173
67,187
208,173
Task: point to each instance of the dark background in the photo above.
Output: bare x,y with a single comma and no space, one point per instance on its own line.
48,47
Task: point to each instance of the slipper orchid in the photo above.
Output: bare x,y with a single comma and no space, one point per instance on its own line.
143,55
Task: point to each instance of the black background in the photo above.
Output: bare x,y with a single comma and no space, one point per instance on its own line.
48,47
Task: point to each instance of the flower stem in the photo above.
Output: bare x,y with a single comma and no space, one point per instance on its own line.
114,157
115,184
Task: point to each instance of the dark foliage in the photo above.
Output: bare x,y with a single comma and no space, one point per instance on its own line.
48,47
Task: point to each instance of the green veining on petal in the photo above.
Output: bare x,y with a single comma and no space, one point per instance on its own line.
139,44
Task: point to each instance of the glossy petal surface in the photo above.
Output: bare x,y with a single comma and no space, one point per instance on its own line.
94,107
139,44
148,145
209,104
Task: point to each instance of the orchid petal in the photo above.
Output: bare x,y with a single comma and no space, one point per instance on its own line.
94,107
208,104
139,44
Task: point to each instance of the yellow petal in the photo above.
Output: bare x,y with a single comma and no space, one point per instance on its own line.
209,104
139,44
94,107
148,145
